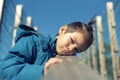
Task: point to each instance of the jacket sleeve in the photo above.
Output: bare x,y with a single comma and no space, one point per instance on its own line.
19,63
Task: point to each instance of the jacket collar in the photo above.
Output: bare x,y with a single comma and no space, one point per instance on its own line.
52,46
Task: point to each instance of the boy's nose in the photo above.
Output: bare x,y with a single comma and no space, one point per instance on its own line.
72,48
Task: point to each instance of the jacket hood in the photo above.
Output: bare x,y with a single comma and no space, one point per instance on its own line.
24,30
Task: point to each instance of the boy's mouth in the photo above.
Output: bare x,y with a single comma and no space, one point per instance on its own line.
65,51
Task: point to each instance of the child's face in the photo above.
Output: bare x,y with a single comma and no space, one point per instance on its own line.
69,43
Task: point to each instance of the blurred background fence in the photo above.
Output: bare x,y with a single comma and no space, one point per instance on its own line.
103,55
11,16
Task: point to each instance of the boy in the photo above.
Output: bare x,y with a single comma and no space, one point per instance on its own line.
34,53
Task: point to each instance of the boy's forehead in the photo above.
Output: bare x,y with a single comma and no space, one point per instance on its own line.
78,35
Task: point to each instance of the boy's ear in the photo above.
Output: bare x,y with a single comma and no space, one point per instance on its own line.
62,29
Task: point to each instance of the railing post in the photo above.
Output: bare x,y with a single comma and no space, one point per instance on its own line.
113,40
17,21
94,55
29,21
101,47
35,28
1,11
88,58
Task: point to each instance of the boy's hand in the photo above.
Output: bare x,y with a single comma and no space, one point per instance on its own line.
50,62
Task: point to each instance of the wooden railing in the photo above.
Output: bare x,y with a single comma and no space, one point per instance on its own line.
72,68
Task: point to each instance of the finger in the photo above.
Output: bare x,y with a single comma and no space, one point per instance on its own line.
56,60
51,62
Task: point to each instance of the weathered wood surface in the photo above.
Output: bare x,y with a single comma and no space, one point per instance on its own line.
101,47
113,39
71,69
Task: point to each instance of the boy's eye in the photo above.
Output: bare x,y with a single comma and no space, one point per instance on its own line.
72,41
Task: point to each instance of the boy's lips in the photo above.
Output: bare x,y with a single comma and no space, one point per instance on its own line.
65,51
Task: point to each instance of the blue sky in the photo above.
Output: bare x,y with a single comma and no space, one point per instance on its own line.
49,15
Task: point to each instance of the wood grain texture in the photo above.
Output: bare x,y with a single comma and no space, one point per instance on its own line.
71,69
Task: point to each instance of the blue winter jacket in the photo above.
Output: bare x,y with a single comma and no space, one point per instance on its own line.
25,61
